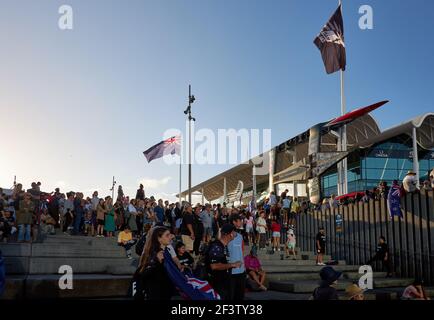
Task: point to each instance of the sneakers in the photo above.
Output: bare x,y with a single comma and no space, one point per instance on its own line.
320,264
129,257
263,288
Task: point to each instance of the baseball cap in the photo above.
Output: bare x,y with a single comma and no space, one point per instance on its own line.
227,228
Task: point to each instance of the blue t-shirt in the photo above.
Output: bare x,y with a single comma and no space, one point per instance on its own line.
159,212
235,248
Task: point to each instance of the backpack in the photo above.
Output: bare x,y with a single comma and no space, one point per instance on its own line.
140,245
203,265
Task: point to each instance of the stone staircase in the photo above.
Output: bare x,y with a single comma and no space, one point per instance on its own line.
289,279
101,271
100,268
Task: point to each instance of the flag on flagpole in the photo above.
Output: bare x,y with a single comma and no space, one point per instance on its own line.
330,41
168,146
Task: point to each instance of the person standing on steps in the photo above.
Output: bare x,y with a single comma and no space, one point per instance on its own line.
320,244
187,230
382,254
140,195
100,217
236,254
217,260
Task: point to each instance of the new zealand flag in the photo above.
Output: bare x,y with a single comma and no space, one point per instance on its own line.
394,201
168,146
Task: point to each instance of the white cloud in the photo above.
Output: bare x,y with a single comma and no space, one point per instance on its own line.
149,183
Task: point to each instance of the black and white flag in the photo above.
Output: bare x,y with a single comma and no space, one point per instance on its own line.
330,41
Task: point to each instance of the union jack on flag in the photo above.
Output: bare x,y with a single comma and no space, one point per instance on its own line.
189,287
203,286
168,146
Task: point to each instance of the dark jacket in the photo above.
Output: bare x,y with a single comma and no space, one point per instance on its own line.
25,213
325,292
152,283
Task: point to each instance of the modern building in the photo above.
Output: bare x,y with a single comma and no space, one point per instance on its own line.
372,156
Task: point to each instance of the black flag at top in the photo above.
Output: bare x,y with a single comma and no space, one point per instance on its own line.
330,41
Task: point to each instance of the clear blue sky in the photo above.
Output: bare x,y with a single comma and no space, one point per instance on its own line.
80,106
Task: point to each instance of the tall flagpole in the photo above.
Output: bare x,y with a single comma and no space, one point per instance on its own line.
342,167
180,176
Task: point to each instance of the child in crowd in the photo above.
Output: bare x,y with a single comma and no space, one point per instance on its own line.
261,228
7,225
249,222
125,239
290,244
89,229
275,229
47,223
185,258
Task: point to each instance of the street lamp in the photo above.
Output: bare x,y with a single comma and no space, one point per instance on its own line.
187,111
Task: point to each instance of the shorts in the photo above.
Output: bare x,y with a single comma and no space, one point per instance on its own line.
188,242
291,215
290,245
249,229
100,222
276,234
320,251
207,231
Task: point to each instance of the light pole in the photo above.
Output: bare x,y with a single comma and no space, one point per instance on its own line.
113,188
187,111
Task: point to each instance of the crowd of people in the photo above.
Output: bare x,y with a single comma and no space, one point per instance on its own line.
207,241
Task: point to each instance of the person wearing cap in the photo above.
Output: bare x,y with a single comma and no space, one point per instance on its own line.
353,292
236,253
410,182
217,259
327,290
320,243
415,291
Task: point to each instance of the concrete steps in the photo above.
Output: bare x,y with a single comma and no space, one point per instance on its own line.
307,269
308,286
85,255
287,262
353,276
84,286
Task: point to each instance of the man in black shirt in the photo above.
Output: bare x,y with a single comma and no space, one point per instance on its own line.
187,230
320,246
217,259
382,254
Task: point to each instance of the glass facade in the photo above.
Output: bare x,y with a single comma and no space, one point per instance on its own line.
386,161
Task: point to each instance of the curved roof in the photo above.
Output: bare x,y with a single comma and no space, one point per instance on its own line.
360,129
424,125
